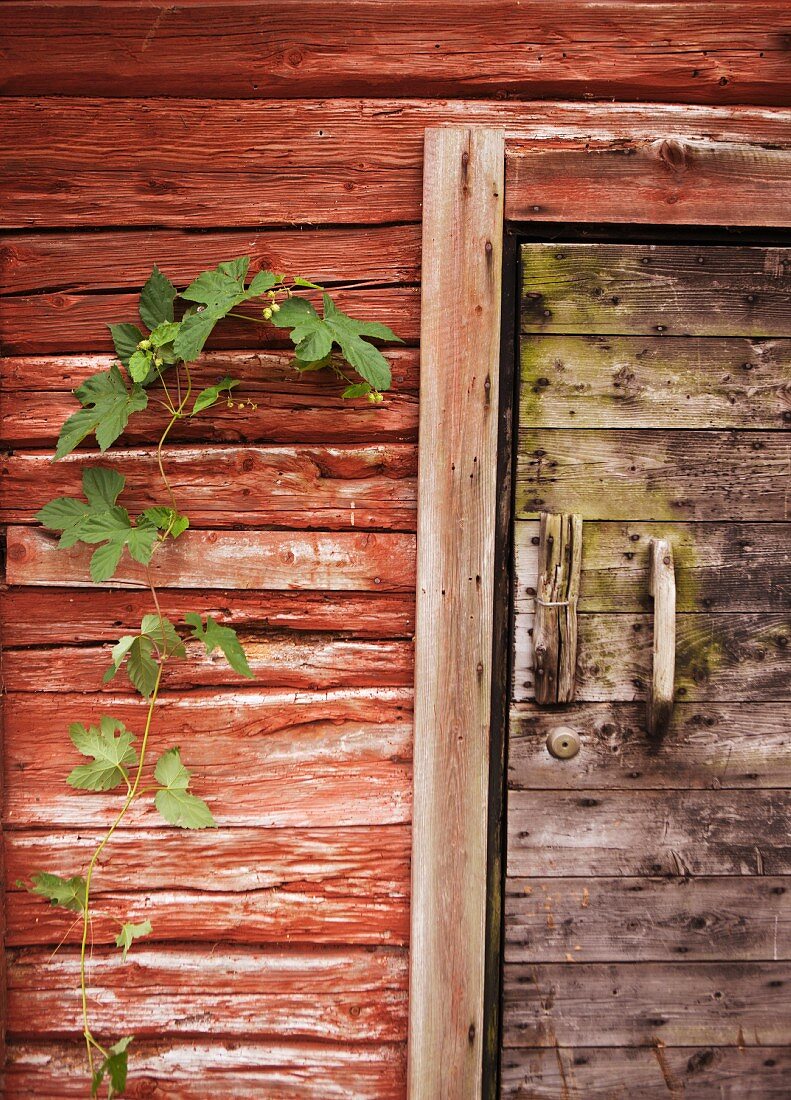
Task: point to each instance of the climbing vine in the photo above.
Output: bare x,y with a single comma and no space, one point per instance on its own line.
154,370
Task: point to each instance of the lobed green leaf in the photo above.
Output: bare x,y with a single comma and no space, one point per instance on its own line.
66,893
131,932
174,800
107,405
112,755
225,638
156,299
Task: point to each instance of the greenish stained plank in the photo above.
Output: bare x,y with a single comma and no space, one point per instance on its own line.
719,566
640,474
666,290
654,382
710,745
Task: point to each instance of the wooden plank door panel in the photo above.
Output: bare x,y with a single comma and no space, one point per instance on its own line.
647,915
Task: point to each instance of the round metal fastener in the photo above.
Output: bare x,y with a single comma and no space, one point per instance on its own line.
563,742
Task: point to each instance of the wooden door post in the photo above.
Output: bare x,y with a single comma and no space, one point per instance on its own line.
460,334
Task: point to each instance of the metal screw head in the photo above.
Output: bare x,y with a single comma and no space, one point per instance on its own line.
563,742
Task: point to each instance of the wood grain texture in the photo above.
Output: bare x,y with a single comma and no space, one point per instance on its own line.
81,162
655,382
679,52
639,474
662,586
655,1072
610,833
647,920
633,289
236,1068
689,1004
261,758
719,657
555,618
710,745
462,261
366,486
236,559
720,566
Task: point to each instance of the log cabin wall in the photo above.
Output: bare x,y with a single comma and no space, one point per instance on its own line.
185,134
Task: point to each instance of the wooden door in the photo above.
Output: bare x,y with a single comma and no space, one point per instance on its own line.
648,903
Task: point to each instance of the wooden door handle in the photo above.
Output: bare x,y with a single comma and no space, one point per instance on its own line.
662,586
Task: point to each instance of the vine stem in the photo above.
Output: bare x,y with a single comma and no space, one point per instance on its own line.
177,415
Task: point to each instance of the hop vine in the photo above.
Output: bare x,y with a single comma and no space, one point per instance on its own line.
154,368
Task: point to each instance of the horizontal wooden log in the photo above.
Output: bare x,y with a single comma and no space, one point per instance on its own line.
647,289
639,474
655,382
719,657
335,995
653,1072
586,834
243,560
68,616
690,1004
719,566
647,919
40,324
261,759
709,745
84,162
117,259
236,1069
293,487
682,51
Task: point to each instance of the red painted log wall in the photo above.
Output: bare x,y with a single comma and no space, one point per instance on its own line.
278,968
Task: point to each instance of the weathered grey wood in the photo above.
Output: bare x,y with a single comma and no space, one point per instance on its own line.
555,631
647,919
586,834
677,290
719,566
683,1004
655,382
719,657
639,474
710,745
662,586
655,1072
462,260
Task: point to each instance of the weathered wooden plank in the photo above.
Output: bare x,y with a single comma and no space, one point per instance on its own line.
647,289
61,616
655,1072
367,485
555,621
646,919
720,566
345,862
279,992
640,474
307,662
335,254
586,834
671,180
719,657
40,324
655,382
261,759
662,586
718,1004
240,559
84,162
710,745
680,51
462,262
237,1069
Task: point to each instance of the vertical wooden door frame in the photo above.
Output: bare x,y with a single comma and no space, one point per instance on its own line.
463,492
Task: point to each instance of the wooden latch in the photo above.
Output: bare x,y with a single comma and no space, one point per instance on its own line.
555,629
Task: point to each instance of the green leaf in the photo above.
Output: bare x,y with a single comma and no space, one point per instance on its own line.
220,288
174,801
106,407
299,281
163,633
143,652
225,638
62,513
164,519
206,398
165,333
67,893
360,389
125,338
112,755
140,365
295,311
261,282
115,1067
131,932
193,333
156,299
102,486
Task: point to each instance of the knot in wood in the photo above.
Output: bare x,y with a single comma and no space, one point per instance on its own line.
673,154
